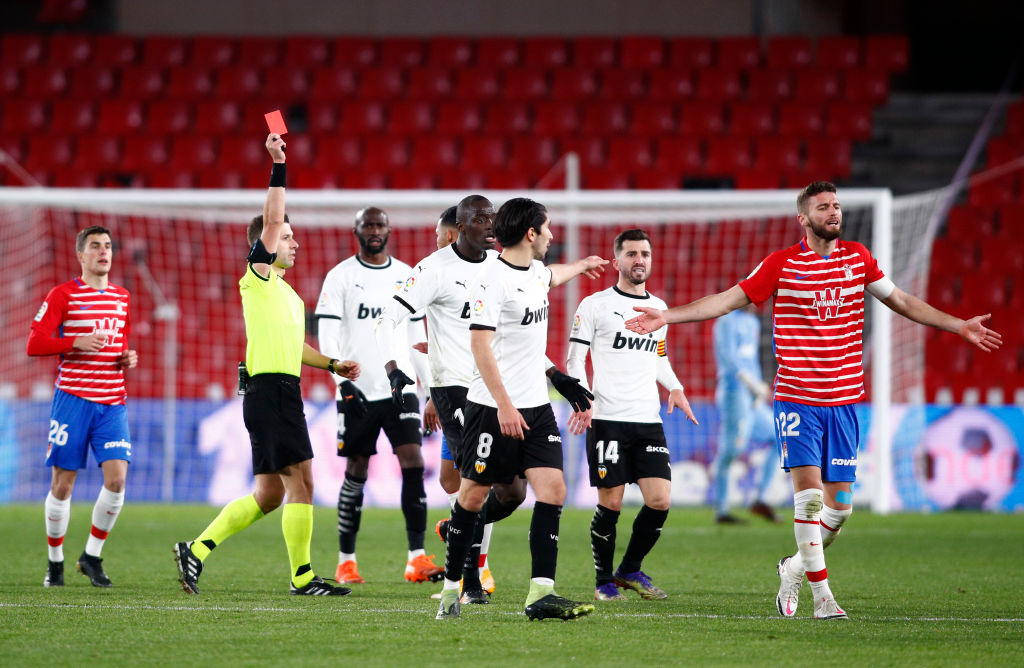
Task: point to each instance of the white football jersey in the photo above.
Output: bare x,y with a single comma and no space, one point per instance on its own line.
513,301
439,285
355,293
625,383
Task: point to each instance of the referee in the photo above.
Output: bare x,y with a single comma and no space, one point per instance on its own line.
272,408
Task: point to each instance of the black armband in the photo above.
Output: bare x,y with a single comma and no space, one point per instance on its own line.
258,254
277,175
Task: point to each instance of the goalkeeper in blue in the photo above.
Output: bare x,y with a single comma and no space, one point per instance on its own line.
744,416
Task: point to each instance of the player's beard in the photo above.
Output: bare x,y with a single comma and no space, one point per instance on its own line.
633,279
823,232
374,249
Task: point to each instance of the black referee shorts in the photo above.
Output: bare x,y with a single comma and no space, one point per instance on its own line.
490,457
273,414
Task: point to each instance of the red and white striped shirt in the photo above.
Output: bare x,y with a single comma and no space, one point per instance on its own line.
818,320
74,309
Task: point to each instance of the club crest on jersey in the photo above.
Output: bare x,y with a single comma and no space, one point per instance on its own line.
480,465
827,302
602,471
848,272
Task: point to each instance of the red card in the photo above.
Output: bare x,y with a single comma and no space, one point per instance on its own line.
275,121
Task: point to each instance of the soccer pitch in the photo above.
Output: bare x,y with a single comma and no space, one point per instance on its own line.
920,590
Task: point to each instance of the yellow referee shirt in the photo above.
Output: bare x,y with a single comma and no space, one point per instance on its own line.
275,324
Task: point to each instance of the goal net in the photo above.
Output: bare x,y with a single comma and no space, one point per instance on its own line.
181,253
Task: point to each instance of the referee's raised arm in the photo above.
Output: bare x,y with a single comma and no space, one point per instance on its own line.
273,208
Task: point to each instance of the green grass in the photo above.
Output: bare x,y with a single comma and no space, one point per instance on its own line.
920,589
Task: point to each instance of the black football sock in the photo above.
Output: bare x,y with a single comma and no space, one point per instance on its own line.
602,542
471,572
350,511
496,510
544,539
414,506
646,531
460,534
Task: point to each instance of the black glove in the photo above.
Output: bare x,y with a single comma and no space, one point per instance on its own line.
353,399
398,381
578,396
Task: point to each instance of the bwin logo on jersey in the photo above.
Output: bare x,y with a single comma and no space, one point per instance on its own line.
480,465
531,317
844,462
365,312
649,345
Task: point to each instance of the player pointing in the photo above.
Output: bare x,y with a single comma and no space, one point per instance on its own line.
819,286
625,441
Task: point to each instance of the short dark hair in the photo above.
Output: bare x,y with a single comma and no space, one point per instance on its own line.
810,191
448,217
515,217
256,229
464,210
632,234
88,232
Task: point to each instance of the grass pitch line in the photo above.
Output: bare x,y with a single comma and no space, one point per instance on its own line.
418,611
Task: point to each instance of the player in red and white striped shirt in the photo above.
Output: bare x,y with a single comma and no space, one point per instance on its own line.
818,319
85,321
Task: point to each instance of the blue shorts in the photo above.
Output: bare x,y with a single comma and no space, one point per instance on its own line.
445,452
77,424
822,436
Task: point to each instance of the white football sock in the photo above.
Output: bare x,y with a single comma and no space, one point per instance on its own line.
104,515
58,514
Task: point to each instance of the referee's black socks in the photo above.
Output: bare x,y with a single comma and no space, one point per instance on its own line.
544,539
646,531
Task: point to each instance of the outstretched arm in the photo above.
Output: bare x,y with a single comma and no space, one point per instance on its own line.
591,267
314,358
705,308
273,207
921,312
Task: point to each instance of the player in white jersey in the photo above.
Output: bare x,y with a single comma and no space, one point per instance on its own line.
354,294
510,428
821,279
625,439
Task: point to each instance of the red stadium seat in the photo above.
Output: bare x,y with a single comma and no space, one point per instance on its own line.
605,118
477,84
719,84
402,52
260,52
498,52
462,180
67,50
656,179
47,151
755,179
1015,119
727,155
165,51
605,179
743,53
112,50
25,117
217,118
72,177
523,83
97,152
429,83
343,152
171,178
838,52
751,119
212,51
333,84
866,86
967,224
142,82
503,179
411,117
432,153
169,117
362,179
362,117
555,119
22,49
764,85
355,51
591,150
621,84
679,154
190,152
829,156
387,153
312,179
301,149
45,82
254,117
241,152
643,52
10,80
789,52
92,83
849,120
381,83
983,290
597,52
993,193
1002,255
307,51
817,84
545,52
239,82
800,119
507,118
483,154
777,154
573,84
120,117
691,53
450,52
671,85
653,118
1004,149
221,178
284,84
458,118
701,118
144,152
533,154
888,52
413,180
72,116
14,146
628,154
190,83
